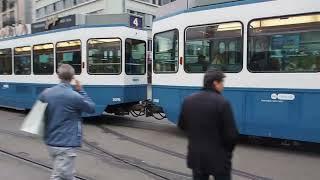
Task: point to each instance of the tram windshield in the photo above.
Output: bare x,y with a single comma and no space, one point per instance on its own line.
5,61
217,46
69,52
165,49
287,44
135,57
104,56
22,60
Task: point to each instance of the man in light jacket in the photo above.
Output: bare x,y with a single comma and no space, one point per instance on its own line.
208,121
63,132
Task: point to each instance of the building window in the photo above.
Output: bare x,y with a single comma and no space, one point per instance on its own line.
12,4
4,20
43,63
59,6
216,46
286,44
22,60
45,10
164,2
49,9
5,61
8,19
166,52
4,5
40,12
4,17
12,15
37,13
54,7
68,3
69,52
104,56
135,57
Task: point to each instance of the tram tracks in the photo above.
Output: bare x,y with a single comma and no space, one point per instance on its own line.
160,173
167,151
95,151
154,171
34,162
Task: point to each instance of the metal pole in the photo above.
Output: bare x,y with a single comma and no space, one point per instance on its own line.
124,6
17,11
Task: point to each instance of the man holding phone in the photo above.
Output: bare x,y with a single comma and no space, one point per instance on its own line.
63,132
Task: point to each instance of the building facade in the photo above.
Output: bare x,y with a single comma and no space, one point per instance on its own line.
180,5
14,12
44,9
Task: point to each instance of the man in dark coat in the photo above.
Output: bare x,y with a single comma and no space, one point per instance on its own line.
208,121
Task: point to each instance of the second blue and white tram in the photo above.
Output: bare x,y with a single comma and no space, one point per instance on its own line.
109,60
270,51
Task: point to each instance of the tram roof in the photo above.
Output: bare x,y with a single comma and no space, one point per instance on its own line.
63,29
213,6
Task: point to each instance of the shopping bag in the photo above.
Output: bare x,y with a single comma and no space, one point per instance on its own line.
35,120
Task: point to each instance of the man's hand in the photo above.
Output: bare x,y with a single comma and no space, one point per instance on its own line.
78,86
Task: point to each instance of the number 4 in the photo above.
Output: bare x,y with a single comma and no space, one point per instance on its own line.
136,22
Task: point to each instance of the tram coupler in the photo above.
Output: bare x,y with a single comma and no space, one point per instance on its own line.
147,108
152,109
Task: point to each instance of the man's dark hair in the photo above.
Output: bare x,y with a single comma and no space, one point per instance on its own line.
211,76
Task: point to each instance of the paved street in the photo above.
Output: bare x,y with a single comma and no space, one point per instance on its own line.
210,65
118,148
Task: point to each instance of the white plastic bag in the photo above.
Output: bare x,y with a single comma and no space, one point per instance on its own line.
34,122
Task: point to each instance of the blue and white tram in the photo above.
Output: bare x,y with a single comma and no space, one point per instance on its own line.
270,51
109,60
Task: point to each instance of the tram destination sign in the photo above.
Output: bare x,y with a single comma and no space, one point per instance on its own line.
136,22
54,23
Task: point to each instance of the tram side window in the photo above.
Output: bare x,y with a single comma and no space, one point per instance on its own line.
135,57
287,44
216,46
104,56
22,60
69,52
43,63
5,61
166,52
